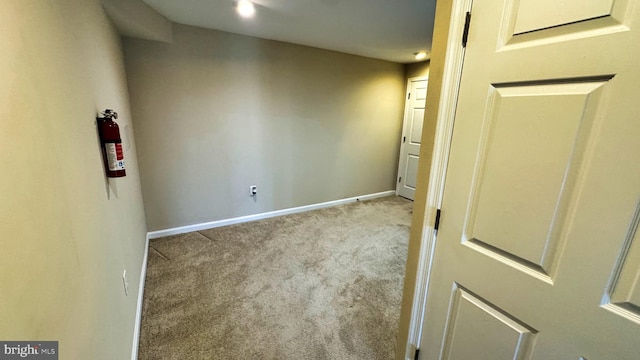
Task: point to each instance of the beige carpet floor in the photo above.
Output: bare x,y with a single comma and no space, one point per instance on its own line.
323,284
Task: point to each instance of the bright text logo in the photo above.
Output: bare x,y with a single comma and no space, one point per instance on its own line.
32,350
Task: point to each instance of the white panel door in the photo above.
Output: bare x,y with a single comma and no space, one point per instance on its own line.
538,251
411,136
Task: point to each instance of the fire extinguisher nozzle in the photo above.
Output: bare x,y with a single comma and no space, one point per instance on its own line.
110,114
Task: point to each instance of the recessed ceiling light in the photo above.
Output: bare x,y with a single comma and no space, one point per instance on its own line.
420,55
245,8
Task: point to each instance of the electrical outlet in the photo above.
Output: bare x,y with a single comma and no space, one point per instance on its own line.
125,283
253,190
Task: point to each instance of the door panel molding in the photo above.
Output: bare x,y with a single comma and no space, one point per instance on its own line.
623,295
474,323
497,220
610,21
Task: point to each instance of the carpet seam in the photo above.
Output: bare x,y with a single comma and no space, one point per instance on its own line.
160,254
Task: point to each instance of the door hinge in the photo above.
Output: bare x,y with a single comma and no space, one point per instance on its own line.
465,33
404,138
408,96
417,355
436,226
400,179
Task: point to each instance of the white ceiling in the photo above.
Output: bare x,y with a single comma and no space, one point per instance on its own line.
383,29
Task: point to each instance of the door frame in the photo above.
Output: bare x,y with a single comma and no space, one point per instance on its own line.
435,178
404,124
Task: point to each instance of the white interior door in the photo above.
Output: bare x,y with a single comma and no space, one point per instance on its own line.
538,251
411,135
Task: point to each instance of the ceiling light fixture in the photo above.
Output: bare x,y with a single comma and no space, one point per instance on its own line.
420,55
245,8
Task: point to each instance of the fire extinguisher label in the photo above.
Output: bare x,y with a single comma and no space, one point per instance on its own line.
115,156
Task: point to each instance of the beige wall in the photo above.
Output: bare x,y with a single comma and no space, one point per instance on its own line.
217,112
417,69
65,237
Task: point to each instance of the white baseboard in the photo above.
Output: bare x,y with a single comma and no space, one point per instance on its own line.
266,215
136,329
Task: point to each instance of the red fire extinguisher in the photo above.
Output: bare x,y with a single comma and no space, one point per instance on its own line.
111,144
